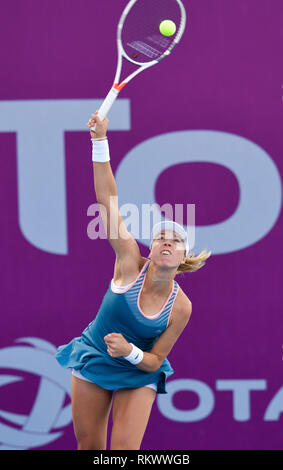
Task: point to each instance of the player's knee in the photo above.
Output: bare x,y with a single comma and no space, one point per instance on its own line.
89,443
124,445
124,441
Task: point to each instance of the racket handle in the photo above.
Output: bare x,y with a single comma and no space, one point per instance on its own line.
106,105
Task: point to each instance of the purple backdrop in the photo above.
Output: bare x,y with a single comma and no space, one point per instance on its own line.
224,78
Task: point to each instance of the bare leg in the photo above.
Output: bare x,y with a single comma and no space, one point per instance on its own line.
131,412
91,407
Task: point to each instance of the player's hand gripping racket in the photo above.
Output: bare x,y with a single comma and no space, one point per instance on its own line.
140,40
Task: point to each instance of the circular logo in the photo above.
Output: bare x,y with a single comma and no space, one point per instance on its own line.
48,412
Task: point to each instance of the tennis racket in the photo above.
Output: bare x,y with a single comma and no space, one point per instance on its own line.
140,41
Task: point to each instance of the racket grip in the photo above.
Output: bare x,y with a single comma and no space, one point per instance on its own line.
106,105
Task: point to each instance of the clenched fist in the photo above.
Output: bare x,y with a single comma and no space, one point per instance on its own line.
117,345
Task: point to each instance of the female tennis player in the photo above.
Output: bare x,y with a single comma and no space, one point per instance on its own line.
143,313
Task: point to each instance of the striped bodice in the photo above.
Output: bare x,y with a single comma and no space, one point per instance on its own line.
132,294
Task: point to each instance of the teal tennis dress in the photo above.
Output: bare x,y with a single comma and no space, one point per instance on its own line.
120,313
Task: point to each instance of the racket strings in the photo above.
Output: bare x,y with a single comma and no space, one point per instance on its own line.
140,36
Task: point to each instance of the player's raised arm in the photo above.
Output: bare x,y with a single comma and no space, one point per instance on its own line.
119,237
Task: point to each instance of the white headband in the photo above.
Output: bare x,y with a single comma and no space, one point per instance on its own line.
170,225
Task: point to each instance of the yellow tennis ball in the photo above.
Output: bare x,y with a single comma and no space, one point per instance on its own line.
167,28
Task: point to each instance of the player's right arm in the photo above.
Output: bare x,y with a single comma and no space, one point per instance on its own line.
123,243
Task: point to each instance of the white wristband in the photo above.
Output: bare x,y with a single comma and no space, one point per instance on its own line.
100,150
135,356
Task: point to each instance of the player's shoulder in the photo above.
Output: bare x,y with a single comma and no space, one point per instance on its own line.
184,303
182,307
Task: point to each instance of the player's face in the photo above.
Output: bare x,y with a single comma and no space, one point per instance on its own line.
168,248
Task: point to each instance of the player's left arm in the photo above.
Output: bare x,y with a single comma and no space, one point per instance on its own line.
152,361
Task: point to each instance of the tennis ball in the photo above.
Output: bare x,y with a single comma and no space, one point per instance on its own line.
167,28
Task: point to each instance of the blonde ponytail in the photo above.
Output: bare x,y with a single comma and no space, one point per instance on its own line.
193,262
